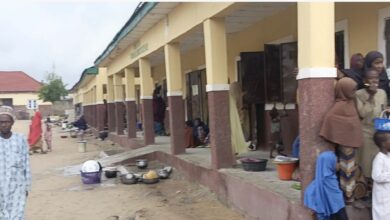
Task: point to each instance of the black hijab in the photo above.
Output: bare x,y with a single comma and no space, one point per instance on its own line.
383,79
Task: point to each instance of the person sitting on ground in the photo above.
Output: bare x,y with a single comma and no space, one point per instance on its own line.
35,134
381,177
323,195
81,124
200,132
188,137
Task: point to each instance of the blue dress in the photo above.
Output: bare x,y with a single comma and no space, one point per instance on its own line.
324,195
15,176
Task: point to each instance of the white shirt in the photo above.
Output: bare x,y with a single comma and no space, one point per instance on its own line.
381,190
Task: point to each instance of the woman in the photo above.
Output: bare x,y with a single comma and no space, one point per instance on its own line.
356,70
370,102
35,134
342,127
374,60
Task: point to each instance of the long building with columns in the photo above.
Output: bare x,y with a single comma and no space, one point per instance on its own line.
195,51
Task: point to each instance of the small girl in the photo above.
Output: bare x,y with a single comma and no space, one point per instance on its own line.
324,195
48,136
381,177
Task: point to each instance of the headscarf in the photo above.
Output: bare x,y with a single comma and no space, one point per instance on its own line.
355,72
341,124
383,79
6,110
323,195
35,129
354,59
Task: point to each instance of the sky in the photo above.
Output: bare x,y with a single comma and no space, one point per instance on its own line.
40,36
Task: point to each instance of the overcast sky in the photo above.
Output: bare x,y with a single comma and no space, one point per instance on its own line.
70,35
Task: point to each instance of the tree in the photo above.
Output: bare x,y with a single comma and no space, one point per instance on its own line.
53,89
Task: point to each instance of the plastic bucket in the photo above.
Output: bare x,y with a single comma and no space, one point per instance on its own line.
285,170
82,146
91,177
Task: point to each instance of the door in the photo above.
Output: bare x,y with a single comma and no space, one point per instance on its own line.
197,106
273,76
289,61
252,73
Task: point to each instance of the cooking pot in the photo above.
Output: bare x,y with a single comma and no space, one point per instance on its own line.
110,173
129,179
142,163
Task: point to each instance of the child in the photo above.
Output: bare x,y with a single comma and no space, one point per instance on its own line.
381,177
48,137
370,101
324,195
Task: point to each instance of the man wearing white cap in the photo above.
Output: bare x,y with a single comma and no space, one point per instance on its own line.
15,177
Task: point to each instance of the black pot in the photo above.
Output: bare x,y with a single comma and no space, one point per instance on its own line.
249,164
110,173
128,179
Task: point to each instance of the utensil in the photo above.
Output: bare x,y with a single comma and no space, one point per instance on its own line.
141,163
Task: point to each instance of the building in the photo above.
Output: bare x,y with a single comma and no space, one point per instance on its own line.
20,91
196,50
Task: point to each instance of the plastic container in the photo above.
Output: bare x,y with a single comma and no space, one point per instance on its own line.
286,169
249,164
91,177
82,148
382,123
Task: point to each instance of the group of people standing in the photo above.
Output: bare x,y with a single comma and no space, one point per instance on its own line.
361,95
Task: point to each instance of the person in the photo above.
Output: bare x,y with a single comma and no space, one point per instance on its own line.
158,112
323,195
188,137
200,132
82,125
356,69
374,59
15,178
342,126
370,101
35,134
381,177
48,136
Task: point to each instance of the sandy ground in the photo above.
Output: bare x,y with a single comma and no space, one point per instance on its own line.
55,196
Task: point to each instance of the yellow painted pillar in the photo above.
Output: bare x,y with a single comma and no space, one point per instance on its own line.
111,103
218,93
146,97
175,97
119,107
131,107
101,78
316,61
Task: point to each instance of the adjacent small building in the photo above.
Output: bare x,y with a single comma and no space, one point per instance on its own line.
20,91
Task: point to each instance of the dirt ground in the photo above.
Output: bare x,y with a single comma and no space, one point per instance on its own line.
55,196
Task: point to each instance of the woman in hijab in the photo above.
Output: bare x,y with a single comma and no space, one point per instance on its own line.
356,70
374,60
35,133
342,127
323,195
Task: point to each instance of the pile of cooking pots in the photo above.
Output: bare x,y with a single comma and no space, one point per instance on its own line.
149,177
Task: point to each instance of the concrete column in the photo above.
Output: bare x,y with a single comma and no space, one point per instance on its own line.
111,104
131,108
100,107
147,100
175,97
316,79
119,107
218,93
